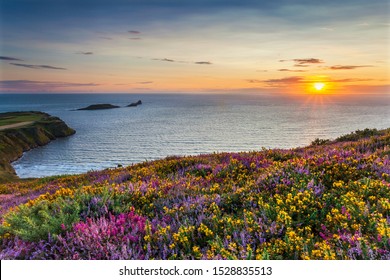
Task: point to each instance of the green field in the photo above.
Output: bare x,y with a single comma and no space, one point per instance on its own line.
7,119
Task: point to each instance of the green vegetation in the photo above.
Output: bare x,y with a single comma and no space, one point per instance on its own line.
319,142
360,134
12,118
354,136
325,201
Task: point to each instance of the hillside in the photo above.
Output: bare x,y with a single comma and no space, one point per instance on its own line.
23,131
330,200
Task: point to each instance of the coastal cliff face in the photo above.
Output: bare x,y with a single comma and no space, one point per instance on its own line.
18,139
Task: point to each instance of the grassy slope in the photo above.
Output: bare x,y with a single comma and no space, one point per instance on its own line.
326,201
15,141
12,118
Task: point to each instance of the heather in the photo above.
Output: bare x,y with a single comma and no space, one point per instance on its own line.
330,200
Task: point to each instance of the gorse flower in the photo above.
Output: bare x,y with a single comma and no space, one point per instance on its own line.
328,201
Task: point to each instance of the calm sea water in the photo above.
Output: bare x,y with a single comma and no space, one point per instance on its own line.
166,125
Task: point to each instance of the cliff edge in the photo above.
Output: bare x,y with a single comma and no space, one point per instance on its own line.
23,131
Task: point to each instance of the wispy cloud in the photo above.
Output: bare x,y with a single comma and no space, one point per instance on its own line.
303,80
135,83
134,32
135,38
105,37
166,60
327,28
307,61
85,53
286,80
33,66
303,62
182,61
203,62
10,58
352,80
28,85
254,81
347,67
278,83
289,70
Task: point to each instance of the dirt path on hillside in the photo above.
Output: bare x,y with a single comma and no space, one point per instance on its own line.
15,125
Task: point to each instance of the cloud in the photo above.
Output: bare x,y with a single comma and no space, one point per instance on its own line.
203,62
347,67
307,60
289,70
353,80
85,53
136,83
181,61
303,62
135,38
28,85
165,59
298,79
33,66
10,58
287,80
134,32
327,28
105,37
301,65
254,81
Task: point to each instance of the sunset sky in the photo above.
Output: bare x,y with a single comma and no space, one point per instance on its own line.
142,46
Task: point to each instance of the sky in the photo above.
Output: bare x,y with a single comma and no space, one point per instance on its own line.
203,46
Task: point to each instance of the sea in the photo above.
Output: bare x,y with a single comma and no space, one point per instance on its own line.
186,124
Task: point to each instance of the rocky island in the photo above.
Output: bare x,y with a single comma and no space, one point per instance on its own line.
23,131
107,106
99,107
135,104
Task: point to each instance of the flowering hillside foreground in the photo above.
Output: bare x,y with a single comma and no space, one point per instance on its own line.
330,200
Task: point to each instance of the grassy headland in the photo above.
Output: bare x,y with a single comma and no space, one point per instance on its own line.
23,131
330,200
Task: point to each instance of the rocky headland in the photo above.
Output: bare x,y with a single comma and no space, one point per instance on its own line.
23,131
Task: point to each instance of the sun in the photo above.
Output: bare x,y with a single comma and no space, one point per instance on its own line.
319,86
